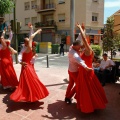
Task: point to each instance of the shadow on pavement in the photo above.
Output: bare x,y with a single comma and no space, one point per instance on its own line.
14,106
56,84
6,91
66,80
63,111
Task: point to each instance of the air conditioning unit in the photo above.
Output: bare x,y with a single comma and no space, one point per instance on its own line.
95,0
61,1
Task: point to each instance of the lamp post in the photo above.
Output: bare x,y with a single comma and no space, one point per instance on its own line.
15,31
72,20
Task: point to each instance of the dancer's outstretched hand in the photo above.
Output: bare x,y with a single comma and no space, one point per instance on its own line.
81,29
30,25
88,69
24,64
39,31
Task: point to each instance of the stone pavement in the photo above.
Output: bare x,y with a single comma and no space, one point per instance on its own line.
54,107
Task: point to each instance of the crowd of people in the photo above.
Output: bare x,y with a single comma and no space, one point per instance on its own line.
83,85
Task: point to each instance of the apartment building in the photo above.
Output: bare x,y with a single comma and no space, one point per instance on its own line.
116,17
53,16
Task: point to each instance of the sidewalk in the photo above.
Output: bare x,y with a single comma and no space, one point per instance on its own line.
54,107
43,55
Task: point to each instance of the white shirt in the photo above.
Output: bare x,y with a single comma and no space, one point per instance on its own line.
20,55
104,63
10,35
75,60
31,32
80,39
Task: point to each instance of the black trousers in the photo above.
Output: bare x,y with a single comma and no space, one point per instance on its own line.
103,75
61,51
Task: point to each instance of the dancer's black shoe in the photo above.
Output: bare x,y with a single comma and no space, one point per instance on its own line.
68,100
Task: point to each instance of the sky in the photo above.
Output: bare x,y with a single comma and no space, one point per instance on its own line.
111,6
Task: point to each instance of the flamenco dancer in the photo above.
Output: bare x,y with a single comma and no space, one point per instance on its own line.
30,89
9,39
0,61
90,93
26,40
8,75
74,62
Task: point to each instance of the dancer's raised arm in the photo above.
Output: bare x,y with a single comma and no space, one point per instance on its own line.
4,45
32,36
85,42
31,29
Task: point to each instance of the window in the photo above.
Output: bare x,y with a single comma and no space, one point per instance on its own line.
61,17
94,17
34,20
27,5
61,1
27,20
95,0
48,17
33,4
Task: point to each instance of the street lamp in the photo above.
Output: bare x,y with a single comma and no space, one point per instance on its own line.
72,20
15,31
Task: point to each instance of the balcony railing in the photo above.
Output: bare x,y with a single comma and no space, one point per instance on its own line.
45,8
47,24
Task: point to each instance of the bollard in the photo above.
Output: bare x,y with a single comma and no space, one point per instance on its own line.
47,61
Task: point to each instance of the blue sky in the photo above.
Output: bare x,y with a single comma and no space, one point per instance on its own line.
111,6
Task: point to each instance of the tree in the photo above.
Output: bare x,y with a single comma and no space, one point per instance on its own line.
109,37
97,50
5,7
117,41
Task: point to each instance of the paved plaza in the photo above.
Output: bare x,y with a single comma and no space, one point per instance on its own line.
53,107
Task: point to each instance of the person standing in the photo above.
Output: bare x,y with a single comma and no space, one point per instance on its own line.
26,41
8,75
30,89
90,94
74,62
62,48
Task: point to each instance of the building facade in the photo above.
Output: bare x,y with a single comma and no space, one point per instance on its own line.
53,16
116,17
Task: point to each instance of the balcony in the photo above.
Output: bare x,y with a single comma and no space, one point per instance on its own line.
46,25
46,8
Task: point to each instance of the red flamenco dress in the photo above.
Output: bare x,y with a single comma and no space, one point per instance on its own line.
90,93
8,75
30,89
0,65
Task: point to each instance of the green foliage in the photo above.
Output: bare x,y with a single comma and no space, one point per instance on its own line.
6,6
117,40
108,38
97,49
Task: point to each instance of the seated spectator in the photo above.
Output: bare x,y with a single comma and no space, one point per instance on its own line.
105,68
96,64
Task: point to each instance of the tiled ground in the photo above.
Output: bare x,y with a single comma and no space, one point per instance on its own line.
54,107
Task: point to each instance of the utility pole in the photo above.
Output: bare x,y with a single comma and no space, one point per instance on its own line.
72,20
15,32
